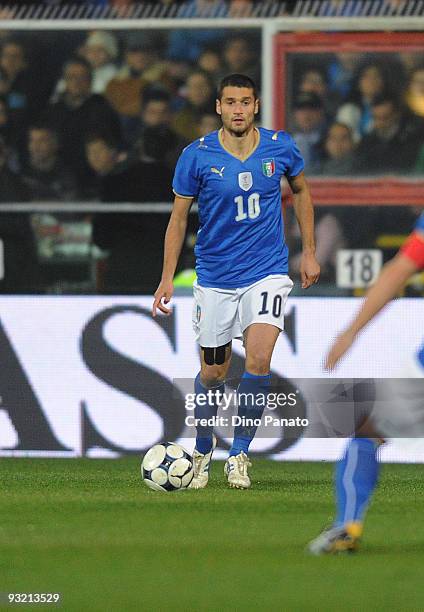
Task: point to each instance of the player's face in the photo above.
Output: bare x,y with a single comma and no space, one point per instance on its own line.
237,108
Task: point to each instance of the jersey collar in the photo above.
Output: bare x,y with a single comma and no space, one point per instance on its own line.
232,155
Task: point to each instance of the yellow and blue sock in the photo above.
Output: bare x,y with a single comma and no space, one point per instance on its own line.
204,433
356,478
251,385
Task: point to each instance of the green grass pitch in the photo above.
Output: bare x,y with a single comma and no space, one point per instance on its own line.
91,530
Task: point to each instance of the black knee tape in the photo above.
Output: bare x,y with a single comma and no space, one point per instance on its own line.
214,355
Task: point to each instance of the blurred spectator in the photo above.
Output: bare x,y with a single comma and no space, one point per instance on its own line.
45,175
21,88
314,80
78,113
5,129
142,67
101,51
199,99
104,158
371,81
208,122
394,142
309,126
18,256
134,240
340,73
339,150
177,73
415,91
156,140
138,180
188,44
410,60
12,189
241,56
210,61
9,136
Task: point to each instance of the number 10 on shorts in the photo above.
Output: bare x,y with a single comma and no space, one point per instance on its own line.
358,267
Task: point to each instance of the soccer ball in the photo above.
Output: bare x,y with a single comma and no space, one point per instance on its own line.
167,467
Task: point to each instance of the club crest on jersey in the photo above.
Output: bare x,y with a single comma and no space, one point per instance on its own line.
245,180
268,167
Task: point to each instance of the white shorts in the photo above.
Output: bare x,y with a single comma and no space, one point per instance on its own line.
219,315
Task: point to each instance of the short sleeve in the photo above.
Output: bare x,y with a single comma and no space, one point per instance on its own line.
296,164
186,177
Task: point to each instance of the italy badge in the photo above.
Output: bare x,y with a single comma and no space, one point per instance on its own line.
268,167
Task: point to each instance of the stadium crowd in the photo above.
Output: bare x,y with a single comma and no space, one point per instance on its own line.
108,102
105,117
112,105
359,114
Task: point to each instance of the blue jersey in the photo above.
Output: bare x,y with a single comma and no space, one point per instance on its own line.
241,235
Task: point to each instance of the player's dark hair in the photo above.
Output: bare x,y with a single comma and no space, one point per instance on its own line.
237,80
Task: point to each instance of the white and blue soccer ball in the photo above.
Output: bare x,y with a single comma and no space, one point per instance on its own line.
167,467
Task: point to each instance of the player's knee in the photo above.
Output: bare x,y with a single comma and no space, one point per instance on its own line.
212,376
259,363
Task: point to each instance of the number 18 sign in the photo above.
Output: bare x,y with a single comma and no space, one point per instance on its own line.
358,267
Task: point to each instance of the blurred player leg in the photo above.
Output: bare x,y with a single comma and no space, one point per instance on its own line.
356,478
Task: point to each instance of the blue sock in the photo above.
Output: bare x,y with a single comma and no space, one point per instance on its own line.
204,433
253,385
356,479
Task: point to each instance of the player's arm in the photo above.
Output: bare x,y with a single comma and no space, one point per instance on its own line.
174,239
393,277
304,210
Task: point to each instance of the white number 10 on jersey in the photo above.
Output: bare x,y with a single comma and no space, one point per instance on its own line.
253,207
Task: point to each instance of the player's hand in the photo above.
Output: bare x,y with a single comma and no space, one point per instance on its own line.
309,270
163,295
342,344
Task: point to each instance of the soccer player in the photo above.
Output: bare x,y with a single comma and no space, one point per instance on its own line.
241,257
357,472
